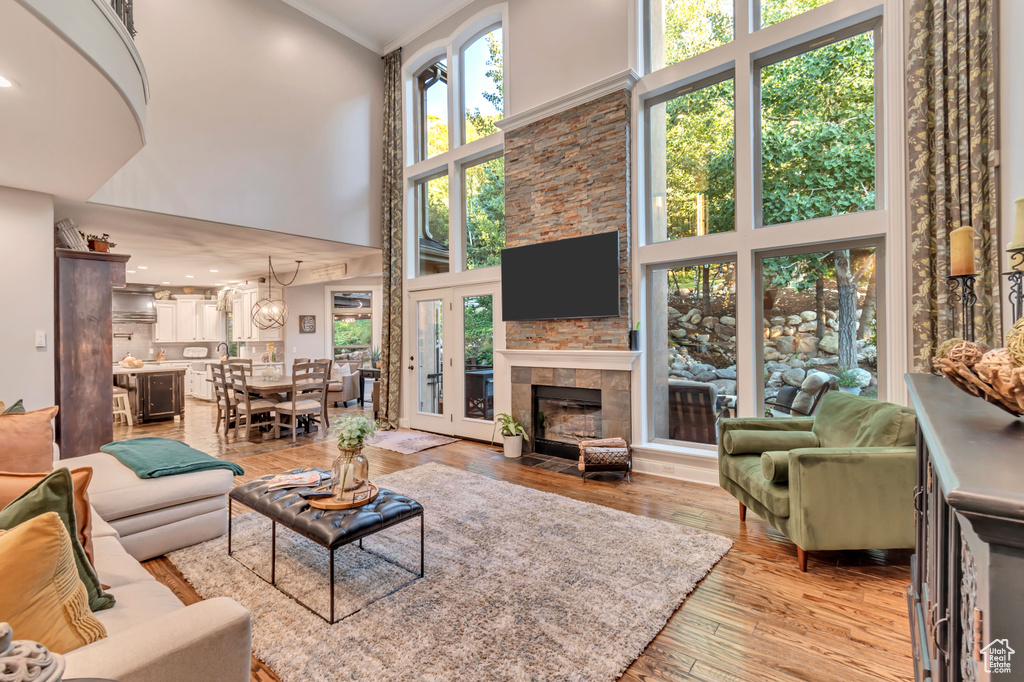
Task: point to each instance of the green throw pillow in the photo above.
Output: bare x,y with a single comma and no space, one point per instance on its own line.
55,493
16,408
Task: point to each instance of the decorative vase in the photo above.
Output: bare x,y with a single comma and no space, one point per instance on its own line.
351,473
513,446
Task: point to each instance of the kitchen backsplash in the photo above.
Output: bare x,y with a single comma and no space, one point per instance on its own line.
142,346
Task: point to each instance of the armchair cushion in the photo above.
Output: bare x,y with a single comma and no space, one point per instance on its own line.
754,442
849,421
775,466
745,470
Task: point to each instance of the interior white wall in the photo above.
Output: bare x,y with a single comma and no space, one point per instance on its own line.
26,225
1011,153
553,48
312,299
259,116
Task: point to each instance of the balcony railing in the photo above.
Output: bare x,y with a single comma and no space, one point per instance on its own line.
123,9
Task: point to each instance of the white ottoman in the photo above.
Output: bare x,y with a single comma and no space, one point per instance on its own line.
155,516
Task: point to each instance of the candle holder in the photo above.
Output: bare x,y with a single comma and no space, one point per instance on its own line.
1016,277
961,290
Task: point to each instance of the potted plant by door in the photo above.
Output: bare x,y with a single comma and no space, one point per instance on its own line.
848,381
512,434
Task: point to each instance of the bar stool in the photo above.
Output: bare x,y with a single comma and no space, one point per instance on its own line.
122,408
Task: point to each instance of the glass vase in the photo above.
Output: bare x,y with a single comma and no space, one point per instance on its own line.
350,474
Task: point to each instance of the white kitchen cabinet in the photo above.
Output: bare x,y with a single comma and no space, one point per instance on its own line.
188,320
211,322
166,329
243,328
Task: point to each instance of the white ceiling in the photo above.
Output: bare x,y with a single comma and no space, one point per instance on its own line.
381,25
166,248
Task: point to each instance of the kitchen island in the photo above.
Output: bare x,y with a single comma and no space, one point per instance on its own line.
155,393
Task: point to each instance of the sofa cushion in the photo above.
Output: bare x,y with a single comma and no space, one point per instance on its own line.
55,493
13,485
115,566
43,598
116,492
26,441
844,420
138,604
100,528
745,471
754,442
775,465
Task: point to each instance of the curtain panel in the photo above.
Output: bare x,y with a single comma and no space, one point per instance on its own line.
951,108
391,242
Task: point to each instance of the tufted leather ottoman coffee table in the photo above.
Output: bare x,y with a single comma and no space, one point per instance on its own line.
329,529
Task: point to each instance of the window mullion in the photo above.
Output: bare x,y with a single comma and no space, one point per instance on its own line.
456,218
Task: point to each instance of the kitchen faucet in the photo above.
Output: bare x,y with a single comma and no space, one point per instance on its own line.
227,350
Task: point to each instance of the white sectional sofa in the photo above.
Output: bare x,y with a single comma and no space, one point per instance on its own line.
151,635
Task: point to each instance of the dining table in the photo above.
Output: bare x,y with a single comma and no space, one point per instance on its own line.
266,388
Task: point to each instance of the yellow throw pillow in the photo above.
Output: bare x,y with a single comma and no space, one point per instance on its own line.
43,598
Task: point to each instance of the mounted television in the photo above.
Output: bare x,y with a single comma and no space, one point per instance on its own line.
567,278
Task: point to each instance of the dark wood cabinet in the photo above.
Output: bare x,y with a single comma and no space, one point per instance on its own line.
83,340
966,597
161,395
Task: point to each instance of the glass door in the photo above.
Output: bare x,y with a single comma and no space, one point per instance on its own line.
452,369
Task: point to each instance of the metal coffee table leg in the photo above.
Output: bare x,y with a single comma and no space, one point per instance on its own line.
229,525
332,588
273,552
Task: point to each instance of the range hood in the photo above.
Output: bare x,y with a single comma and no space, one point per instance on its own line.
134,306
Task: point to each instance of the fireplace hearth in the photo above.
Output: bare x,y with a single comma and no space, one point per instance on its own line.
564,416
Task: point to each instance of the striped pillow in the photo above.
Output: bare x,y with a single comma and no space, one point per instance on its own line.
43,598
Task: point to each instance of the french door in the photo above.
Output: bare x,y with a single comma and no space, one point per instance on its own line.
450,369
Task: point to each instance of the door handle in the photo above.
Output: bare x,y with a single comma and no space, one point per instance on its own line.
412,367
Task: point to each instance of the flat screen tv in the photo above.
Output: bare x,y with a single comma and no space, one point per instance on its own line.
567,278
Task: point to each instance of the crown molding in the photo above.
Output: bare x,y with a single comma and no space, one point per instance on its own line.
620,81
432,20
333,22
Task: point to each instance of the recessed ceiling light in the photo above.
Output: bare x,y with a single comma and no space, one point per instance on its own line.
164,282
189,276
234,281
214,270
4,83
130,272
219,284
143,267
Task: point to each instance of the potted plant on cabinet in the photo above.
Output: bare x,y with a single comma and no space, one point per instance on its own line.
512,434
99,243
848,381
375,357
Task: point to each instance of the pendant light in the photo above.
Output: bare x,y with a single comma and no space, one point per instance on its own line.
272,313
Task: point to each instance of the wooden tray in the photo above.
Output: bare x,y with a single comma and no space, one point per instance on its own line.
331,504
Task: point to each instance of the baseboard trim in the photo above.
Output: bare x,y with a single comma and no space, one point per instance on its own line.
678,466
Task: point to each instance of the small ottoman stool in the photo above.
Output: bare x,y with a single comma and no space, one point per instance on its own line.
606,454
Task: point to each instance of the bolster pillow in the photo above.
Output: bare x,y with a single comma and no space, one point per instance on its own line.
753,442
775,466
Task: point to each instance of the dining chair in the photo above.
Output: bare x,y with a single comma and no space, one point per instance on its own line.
243,362
309,398
245,406
225,397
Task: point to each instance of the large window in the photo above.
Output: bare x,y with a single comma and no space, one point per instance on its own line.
352,325
818,132
456,175
693,169
763,185
485,213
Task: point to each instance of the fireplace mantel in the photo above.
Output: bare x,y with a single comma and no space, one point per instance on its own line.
572,359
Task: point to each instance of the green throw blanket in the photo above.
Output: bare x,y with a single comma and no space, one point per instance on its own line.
155,457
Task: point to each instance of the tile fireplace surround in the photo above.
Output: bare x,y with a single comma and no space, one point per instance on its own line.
614,385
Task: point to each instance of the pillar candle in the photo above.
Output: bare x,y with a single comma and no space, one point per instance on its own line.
1018,232
961,244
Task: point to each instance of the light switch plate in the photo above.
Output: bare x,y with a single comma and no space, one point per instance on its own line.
40,339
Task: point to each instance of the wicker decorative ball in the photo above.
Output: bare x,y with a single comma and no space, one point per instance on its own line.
965,352
944,347
1015,342
994,362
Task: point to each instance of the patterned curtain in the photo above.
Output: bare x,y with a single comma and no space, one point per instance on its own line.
951,125
391,239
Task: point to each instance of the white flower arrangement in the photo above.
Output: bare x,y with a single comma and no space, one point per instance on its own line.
354,430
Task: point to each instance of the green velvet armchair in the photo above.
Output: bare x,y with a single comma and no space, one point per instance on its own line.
843,479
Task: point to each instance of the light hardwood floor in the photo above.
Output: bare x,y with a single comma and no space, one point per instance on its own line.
754,617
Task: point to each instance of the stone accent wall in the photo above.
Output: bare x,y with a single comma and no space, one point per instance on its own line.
568,176
614,386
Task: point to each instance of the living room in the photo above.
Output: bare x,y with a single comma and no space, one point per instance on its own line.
686,231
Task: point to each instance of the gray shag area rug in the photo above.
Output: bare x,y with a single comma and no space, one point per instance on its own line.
520,585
